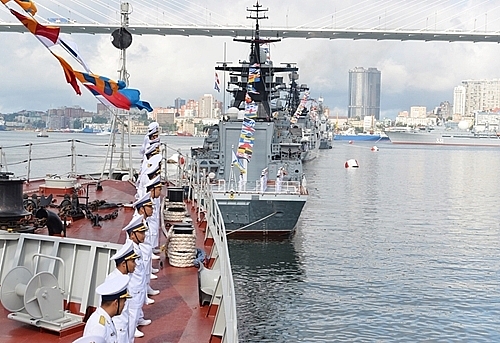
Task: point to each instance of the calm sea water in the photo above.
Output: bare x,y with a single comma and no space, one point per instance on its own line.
404,249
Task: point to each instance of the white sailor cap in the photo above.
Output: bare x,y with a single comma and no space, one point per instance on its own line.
153,165
153,128
90,339
136,224
155,182
114,288
153,149
143,201
125,253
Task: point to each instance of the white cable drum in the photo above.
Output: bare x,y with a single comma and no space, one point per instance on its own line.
181,250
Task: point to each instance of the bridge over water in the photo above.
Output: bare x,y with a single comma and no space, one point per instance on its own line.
412,20
340,36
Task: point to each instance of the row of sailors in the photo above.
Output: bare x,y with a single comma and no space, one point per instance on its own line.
120,314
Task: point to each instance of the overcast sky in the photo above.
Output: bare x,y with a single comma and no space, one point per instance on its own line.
164,68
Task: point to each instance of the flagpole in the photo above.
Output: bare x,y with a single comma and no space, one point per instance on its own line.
224,84
224,66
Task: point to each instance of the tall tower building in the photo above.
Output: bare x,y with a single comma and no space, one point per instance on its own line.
364,93
206,106
459,100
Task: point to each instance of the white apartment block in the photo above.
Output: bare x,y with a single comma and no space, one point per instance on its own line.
418,112
206,106
481,95
459,100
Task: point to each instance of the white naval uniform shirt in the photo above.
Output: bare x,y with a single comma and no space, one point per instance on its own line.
100,324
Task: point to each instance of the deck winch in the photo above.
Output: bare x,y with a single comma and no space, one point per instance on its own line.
36,300
12,210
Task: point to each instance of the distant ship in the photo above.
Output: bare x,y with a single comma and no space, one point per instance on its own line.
365,136
42,133
441,136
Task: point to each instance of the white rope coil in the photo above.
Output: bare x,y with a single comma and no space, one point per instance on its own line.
174,217
172,204
181,250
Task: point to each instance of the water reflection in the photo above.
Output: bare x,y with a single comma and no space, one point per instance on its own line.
269,282
403,249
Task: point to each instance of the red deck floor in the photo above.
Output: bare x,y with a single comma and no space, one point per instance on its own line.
176,314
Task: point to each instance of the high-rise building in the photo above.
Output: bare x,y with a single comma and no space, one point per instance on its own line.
459,100
481,95
364,93
206,106
178,103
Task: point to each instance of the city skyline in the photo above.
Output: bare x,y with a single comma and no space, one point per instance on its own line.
166,68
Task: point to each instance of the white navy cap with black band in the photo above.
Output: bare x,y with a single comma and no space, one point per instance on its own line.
153,128
114,288
155,182
136,224
153,149
143,201
153,165
125,253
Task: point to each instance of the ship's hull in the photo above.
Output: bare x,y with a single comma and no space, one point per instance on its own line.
257,216
364,138
436,138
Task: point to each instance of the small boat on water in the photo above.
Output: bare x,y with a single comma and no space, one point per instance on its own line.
42,133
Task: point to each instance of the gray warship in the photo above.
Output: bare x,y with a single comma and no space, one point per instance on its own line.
251,158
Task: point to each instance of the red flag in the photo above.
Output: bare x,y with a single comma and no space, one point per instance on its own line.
48,35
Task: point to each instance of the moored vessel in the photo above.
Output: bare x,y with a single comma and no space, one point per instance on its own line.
59,232
250,158
441,136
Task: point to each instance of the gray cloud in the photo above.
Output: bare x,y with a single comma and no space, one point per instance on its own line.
164,68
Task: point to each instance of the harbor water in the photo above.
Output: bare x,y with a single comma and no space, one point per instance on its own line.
402,249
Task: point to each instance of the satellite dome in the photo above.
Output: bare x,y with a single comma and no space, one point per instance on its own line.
232,113
463,125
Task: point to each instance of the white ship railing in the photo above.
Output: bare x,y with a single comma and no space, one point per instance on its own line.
226,321
255,187
33,161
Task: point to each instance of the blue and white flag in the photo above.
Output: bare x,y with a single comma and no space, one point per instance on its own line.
217,83
236,162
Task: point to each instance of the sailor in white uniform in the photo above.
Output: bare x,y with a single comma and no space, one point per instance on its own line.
154,188
145,208
136,231
152,170
113,298
151,136
125,265
152,150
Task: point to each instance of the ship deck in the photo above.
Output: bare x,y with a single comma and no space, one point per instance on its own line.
176,314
